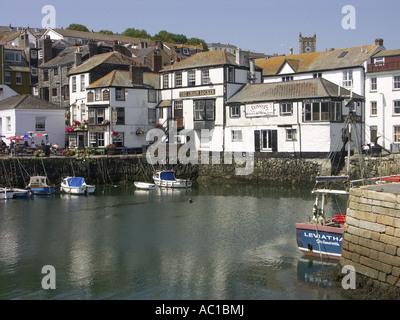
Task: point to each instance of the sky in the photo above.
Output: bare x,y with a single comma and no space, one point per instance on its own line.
255,25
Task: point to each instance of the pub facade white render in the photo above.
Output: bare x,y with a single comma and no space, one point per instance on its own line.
194,92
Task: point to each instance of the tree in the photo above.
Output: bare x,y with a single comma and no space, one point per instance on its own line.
77,27
197,42
136,33
106,32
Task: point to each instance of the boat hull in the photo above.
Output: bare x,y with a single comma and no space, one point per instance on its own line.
21,193
178,183
45,191
78,190
145,185
6,194
319,241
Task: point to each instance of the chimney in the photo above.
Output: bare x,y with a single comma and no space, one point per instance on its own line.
24,39
252,64
135,74
291,51
379,42
92,46
242,58
157,61
78,57
47,49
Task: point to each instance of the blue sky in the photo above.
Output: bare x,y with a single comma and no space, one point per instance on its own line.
258,25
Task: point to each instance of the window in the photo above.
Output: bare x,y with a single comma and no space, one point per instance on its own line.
100,139
396,82
40,124
96,116
118,140
291,134
7,77
396,130
191,78
204,110
45,75
55,71
106,95
374,108
12,56
151,116
322,111
374,84
120,94
8,123
396,107
231,75
93,139
120,116
65,92
234,111
286,109
287,78
237,136
317,75
90,96
269,140
379,61
82,82
178,79
152,95
205,76
73,84
18,78
54,92
83,111
347,78
97,94
165,81
343,54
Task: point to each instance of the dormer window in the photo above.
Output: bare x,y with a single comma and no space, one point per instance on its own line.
342,54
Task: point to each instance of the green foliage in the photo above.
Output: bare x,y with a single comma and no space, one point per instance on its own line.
136,33
106,32
77,27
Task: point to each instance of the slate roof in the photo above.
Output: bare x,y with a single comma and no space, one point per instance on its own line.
66,57
388,53
97,36
205,59
319,61
121,78
290,90
110,57
27,101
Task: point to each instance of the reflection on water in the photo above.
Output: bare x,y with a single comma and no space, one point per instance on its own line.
214,242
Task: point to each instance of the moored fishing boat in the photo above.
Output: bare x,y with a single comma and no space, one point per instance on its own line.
167,179
39,185
21,193
76,185
145,185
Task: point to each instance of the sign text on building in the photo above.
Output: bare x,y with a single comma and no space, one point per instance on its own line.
259,110
207,92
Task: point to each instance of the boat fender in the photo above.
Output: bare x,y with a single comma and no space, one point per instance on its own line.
190,200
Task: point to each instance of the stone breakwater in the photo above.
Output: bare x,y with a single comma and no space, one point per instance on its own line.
125,169
371,241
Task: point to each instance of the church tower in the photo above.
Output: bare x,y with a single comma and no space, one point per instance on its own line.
307,44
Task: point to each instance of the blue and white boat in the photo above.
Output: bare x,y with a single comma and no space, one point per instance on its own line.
167,179
39,185
6,193
76,185
320,237
21,193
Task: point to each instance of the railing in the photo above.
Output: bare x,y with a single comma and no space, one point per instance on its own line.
386,66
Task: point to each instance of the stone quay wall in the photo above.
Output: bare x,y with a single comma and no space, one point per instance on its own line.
125,169
371,241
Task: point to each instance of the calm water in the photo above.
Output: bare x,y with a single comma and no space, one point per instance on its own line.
216,242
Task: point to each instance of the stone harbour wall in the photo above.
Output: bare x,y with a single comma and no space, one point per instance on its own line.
371,241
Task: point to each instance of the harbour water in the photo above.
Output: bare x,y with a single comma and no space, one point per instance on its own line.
211,242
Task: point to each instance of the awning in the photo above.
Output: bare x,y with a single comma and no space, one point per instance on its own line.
164,103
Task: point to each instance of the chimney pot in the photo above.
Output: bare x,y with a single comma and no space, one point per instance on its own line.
379,42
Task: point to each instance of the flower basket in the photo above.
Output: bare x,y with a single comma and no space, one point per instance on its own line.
139,132
115,133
